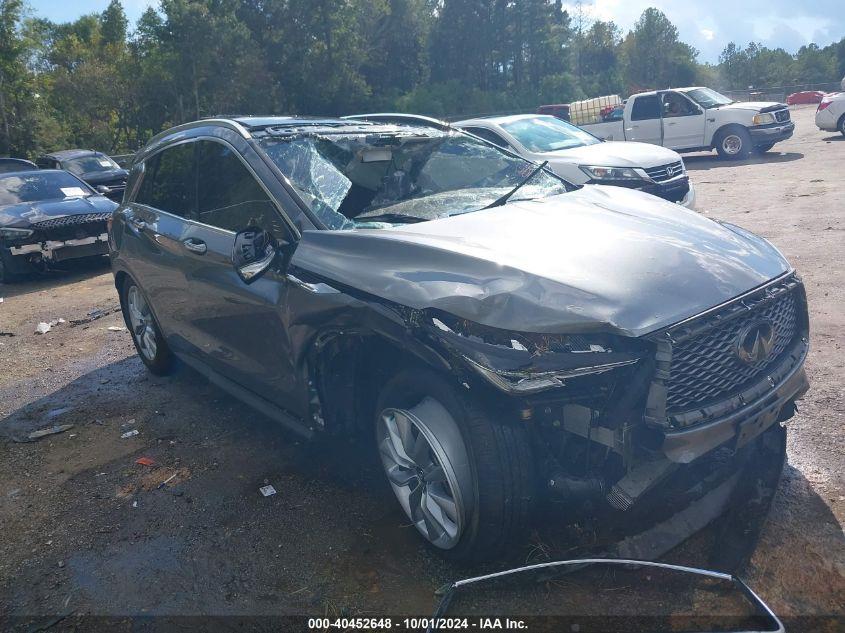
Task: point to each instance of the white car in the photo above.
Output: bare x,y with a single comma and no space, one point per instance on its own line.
830,115
581,158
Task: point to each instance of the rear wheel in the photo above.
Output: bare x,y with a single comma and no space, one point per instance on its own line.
841,125
463,478
733,143
146,334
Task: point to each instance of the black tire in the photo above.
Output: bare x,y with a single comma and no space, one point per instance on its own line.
500,458
6,277
733,143
161,363
765,147
841,125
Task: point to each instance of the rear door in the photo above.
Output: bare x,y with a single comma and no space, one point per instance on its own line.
239,328
683,121
157,221
645,122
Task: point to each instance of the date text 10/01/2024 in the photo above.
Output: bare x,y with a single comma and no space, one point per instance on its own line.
417,624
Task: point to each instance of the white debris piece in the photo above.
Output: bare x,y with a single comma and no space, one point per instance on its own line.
42,328
267,491
116,328
131,433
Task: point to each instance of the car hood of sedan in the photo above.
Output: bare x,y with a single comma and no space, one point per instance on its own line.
26,213
105,177
613,154
597,259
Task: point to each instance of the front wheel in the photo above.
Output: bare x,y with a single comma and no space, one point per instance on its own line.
146,334
733,143
842,125
463,478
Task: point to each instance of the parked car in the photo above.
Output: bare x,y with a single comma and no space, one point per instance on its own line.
581,158
49,216
805,96
95,168
505,337
830,114
697,119
559,110
15,164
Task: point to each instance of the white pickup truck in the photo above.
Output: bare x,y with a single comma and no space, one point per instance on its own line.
696,119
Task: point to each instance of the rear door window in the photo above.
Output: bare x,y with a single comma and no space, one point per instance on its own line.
647,107
228,195
170,181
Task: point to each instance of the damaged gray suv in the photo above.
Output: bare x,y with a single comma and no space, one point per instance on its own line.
508,339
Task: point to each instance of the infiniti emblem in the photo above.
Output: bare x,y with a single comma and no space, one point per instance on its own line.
755,342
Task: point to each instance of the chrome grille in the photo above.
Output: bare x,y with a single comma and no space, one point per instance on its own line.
782,116
706,368
70,220
665,172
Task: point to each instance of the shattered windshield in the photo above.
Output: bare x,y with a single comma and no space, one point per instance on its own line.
708,98
378,179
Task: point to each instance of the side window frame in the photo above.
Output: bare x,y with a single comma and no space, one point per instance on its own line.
695,109
658,101
473,129
146,173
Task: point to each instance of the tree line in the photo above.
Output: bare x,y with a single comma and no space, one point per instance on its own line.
95,83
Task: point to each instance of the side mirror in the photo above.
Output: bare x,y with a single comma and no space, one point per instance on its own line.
253,254
102,189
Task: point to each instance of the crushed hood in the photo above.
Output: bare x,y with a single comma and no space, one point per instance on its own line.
598,259
26,213
614,154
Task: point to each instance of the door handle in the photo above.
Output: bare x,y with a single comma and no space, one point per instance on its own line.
195,246
671,123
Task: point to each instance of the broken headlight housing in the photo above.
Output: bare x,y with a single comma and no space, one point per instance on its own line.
528,363
8,233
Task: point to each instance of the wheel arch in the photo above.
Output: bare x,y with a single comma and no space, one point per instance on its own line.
724,129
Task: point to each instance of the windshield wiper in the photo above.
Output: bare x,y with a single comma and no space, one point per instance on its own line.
393,218
503,199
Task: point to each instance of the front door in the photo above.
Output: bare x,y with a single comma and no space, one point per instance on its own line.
683,121
240,329
645,123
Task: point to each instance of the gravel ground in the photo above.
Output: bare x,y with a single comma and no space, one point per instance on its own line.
84,529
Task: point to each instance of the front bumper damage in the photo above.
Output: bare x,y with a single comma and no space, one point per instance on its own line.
57,240
603,420
771,133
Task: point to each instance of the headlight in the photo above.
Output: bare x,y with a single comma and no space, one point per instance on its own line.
15,234
597,172
763,118
522,364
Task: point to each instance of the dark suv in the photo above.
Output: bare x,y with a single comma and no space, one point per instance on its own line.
95,168
506,337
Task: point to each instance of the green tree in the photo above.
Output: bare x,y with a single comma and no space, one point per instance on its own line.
656,58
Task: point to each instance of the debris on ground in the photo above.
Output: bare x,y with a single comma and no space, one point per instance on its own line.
131,433
145,461
43,328
50,430
116,328
99,313
167,481
267,491
7,334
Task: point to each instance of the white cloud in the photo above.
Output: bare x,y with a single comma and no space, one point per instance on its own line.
708,34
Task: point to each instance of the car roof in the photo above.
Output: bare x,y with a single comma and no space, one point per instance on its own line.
66,154
500,119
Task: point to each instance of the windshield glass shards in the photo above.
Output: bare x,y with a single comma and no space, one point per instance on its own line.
375,180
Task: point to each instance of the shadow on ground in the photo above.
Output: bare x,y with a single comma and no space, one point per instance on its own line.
72,272
703,162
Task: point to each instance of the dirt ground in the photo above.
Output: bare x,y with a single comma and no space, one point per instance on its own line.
84,529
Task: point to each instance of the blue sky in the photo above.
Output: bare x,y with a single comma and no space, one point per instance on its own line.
708,26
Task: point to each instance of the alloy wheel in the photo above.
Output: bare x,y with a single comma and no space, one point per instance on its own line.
732,144
421,469
141,320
